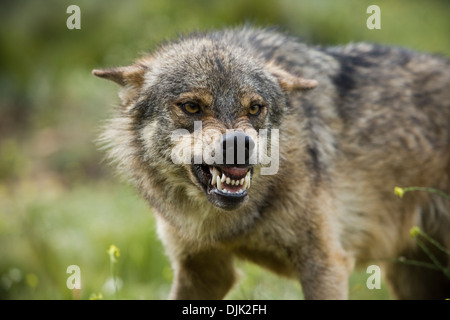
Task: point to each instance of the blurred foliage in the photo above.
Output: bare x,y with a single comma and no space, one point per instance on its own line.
59,204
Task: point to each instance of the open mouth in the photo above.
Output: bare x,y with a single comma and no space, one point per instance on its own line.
233,181
225,186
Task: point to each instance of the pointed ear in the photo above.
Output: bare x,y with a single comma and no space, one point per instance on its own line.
130,78
131,75
290,82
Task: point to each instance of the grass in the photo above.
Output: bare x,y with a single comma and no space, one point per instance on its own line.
52,227
49,230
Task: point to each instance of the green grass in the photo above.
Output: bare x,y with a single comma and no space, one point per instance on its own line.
47,230
46,227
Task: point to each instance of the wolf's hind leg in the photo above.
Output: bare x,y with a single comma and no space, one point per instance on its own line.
410,282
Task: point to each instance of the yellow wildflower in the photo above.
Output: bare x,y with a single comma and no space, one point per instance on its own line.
399,192
113,252
414,232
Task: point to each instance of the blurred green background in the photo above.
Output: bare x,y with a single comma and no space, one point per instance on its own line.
59,203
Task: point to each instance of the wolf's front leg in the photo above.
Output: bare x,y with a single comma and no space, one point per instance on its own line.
325,280
205,275
322,264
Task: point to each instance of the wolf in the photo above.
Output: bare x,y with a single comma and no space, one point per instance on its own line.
352,123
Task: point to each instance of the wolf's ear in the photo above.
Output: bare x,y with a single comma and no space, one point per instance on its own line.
290,82
130,78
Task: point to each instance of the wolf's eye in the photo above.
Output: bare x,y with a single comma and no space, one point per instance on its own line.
254,110
190,108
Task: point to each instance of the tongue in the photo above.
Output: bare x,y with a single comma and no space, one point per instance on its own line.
235,171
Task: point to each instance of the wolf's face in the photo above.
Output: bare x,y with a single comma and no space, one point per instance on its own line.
199,107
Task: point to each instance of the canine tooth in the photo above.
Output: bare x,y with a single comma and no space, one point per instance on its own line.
219,183
215,174
242,181
223,177
248,179
228,180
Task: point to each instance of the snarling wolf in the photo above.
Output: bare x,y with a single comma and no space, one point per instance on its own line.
345,125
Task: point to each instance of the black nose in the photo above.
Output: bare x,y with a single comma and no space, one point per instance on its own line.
238,148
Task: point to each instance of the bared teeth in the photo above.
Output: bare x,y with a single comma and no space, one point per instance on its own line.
246,181
247,177
222,180
215,175
219,183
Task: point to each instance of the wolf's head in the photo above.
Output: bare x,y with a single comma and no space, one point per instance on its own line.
198,113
